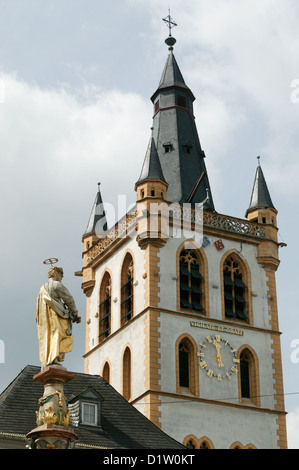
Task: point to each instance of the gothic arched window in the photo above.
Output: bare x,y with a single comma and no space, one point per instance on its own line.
191,281
190,444
127,374
127,291
106,372
235,289
193,442
205,443
245,375
186,365
184,353
248,380
105,308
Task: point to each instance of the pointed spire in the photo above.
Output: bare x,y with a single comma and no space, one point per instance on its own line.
172,76
260,196
97,213
151,169
176,138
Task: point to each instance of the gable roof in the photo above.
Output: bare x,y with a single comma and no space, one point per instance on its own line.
122,425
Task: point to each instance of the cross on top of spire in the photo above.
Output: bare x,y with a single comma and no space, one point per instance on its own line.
170,41
169,22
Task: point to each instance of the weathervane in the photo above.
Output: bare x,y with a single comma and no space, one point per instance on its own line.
170,41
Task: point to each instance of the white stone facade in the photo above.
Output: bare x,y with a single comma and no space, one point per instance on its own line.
216,413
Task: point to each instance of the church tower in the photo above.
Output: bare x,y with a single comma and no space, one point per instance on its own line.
181,313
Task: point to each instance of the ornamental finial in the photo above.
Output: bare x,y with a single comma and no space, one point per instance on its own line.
170,41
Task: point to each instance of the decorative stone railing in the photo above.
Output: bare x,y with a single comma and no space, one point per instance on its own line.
209,219
233,225
119,230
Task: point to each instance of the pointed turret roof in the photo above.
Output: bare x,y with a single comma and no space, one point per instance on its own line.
97,213
172,76
151,169
260,196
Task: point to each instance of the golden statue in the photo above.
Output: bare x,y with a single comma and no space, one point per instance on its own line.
55,313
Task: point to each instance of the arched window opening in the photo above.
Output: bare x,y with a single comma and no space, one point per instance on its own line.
237,446
106,372
186,366
235,290
245,375
127,373
191,280
184,353
249,377
190,444
193,442
204,445
127,294
105,308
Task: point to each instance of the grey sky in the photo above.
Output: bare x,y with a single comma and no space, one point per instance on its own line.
77,79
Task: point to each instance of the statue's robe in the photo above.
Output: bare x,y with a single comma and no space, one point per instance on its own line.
53,322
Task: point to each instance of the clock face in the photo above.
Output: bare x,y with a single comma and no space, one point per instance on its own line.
218,358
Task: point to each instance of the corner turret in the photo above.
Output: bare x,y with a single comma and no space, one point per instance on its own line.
97,223
151,189
262,211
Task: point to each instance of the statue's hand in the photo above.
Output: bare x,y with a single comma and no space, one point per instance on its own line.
77,319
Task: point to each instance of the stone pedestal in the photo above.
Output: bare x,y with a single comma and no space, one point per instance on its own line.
52,418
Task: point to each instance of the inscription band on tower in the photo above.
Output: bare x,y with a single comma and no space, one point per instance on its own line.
222,329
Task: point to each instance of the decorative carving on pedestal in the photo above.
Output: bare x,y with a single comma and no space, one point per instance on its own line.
52,418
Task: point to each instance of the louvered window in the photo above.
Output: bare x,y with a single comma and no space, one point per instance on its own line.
181,101
234,289
127,291
105,308
191,280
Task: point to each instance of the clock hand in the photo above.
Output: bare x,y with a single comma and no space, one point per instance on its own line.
218,356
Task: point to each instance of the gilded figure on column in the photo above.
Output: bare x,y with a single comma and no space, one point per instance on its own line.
55,313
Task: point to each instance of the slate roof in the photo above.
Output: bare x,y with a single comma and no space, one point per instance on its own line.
122,425
97,213
172,76
260,196
151,169
174,130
